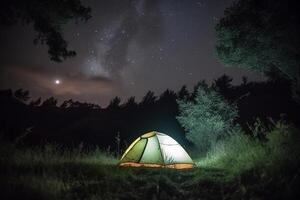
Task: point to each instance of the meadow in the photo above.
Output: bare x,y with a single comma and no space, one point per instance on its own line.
239,167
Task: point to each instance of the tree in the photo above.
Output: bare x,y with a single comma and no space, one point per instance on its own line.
67,103
130,104
183,93
114,103
223,85
6,93
36,102
50,102
261,35
166,103
148,99
22,95
244,81
47,18
206,118
168,97
201,84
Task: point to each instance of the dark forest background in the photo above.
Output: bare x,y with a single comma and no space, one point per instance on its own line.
35,121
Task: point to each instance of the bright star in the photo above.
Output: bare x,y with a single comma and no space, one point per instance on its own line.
57,82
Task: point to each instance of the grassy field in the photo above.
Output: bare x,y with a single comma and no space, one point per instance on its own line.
238,168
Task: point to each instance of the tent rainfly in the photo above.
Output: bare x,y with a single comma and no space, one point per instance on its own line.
156,149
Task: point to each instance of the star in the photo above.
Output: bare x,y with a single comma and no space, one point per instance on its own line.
57,82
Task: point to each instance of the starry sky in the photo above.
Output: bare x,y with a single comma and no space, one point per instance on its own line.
127,48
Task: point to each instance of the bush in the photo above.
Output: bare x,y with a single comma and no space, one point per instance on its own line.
236,152
207,118
239,152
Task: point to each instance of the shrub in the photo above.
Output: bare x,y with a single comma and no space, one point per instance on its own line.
236,152
239,152
207,118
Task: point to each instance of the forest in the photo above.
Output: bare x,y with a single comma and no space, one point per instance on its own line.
36,121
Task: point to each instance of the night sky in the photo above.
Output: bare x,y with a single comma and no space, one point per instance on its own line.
125,49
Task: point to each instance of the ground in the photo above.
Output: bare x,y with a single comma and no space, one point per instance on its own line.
52,172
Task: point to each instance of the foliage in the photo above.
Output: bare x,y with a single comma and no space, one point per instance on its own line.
183,93
262,35
236,153
149,99
66,122
223,85
262,169
47,18
114,103
207,118
50,102
239,153
22,95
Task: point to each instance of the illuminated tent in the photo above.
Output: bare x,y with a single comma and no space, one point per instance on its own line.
156,149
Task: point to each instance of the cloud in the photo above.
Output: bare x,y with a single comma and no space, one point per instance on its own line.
43,82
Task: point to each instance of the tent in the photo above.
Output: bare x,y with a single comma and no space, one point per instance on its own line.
156,149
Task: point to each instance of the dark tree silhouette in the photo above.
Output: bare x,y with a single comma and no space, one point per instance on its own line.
76,104
4,94
167,96
75,122
148,99
22,95
130,104
67,103
47,18
50,102
223,85
36,102
114,103
183,93
296,91
262,35
244,80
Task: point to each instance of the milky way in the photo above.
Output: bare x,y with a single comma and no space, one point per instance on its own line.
127,48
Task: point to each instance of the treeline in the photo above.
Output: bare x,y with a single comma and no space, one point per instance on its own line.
36,121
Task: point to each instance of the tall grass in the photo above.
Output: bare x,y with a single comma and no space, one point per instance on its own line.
239,152
51,155
265,165
48,172
52,172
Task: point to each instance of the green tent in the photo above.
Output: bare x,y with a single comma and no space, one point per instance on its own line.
156,149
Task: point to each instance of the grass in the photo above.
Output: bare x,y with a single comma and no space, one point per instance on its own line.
239,152
239,167
269,166
50,171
